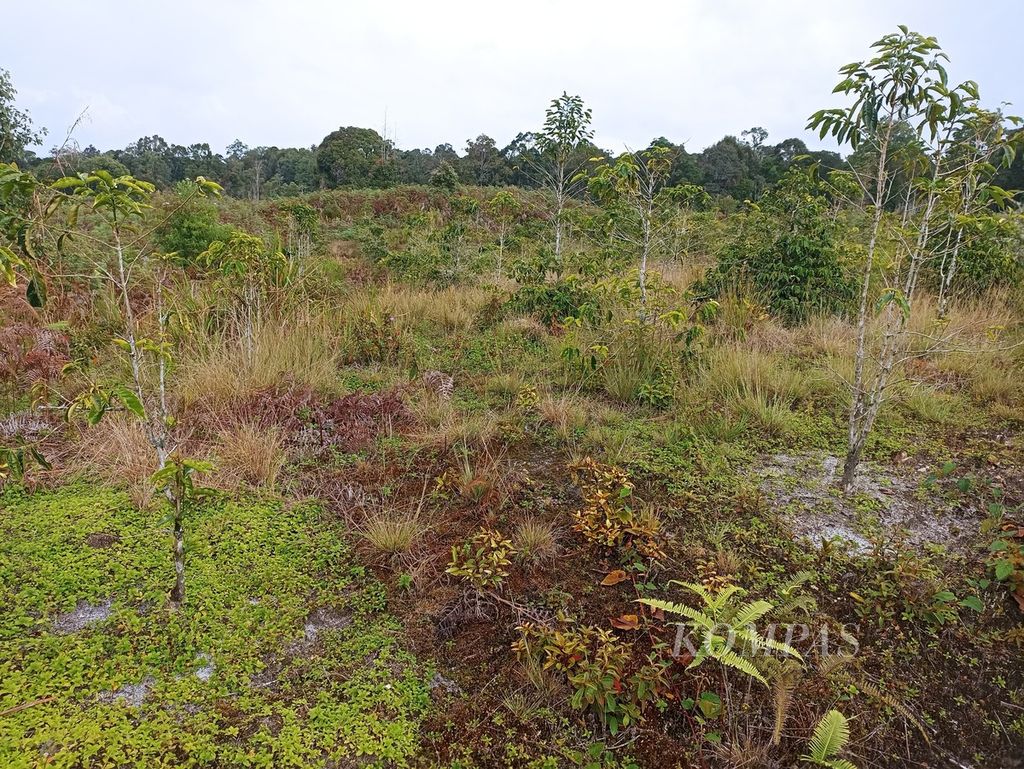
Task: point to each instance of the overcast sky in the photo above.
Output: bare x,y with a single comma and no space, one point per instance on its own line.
271,72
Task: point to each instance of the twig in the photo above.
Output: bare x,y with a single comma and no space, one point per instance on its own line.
27,705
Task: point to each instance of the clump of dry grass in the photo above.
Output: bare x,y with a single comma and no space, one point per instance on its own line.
248,455
392,533
564,413
734,373
527,326
990,377
505,386
440,423
680,275
117,451
535,540
828,336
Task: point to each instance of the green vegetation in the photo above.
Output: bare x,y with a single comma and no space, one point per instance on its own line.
285,655
363,456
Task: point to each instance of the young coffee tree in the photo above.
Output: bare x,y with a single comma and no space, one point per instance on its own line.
903,85
123,256
247,270
175,479
972,206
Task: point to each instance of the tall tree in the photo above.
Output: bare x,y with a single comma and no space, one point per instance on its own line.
355,157
16,129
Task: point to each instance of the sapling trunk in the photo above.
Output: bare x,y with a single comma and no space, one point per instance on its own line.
178,592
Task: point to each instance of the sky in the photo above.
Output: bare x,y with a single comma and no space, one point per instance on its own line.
271,72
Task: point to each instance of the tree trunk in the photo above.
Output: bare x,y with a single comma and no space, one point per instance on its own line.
178,593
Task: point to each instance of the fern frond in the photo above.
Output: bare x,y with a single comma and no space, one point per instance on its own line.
830,736
796,581
894,702
696,616
733,660
751,612
722,597
805,603
784,685
828,664
780,646
695,587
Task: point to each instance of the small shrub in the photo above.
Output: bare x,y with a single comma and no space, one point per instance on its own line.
484,561
607,518
597,667
553,302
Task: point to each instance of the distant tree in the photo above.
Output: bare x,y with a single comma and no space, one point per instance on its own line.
445,177
483,163
502,211
355,157
755,137
16,129
731,167
148,159
443,152
630,188
415,166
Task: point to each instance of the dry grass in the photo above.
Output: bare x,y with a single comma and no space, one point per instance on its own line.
734,373
505,386
990,377
928,404
536,540
440,424
392,533
828,335
248,455
216,372
118,452
564,413
527,326
680,276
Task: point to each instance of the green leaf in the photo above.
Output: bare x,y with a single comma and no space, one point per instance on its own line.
973,602
830,736
35,292
131,401
1004,569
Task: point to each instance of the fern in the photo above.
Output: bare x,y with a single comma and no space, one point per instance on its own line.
785,679
896,704
830,736
720,622
732,659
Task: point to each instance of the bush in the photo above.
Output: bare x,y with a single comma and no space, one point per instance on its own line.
788,249
191,229
553,302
